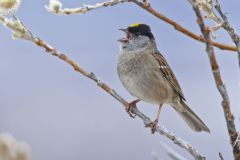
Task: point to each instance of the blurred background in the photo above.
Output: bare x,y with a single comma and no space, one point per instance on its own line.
63,115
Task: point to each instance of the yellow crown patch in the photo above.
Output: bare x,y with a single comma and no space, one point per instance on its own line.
135,25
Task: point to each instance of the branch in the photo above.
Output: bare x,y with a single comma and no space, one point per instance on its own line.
226,25
21,32
172,153
208,8
219,83
56,8
180,28
220,156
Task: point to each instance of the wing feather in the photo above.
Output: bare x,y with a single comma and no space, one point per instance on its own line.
167,72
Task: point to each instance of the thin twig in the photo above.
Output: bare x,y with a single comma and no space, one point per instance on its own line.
219,82
180,28
55,6
172,153
144,5
226,25
20,31
207,7
220,156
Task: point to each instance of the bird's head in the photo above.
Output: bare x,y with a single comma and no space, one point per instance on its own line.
137,36
136,31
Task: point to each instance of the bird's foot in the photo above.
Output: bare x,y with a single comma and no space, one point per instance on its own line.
130,107
153,126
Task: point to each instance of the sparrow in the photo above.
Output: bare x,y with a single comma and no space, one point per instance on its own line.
146,75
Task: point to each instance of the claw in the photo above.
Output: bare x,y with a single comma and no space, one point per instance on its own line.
130,107
153,126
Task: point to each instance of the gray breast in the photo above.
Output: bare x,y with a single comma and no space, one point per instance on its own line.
140,75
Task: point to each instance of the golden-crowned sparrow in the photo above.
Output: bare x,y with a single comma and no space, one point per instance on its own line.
145,73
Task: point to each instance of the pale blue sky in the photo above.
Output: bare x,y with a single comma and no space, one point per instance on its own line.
63,115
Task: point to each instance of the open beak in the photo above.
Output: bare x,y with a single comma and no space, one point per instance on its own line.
124,39
124,30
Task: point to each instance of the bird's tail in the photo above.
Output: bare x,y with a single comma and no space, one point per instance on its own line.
193,121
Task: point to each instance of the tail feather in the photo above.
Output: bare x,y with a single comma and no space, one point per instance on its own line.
193,121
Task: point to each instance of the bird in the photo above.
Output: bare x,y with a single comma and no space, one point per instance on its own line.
146,75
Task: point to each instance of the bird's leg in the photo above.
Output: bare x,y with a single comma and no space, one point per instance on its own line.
153,125
130,107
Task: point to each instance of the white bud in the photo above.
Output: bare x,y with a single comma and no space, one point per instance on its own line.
7,142
11,149
22,151
9,6
54,6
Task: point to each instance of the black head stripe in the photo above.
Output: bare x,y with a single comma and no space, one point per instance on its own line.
141,29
